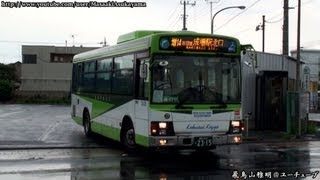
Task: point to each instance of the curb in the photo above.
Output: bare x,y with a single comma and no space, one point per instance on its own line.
256,139
47,146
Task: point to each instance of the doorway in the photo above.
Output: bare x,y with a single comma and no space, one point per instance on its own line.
271,100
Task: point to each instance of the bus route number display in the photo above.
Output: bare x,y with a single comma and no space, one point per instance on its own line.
204,44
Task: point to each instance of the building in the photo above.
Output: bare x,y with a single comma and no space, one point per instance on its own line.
265,87
47,70
310,74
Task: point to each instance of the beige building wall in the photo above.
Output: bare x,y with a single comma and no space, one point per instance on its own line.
46,77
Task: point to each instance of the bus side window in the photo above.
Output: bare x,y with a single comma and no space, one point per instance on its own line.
122,81
79,76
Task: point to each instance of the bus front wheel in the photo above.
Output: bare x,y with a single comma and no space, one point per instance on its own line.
87,124
128,138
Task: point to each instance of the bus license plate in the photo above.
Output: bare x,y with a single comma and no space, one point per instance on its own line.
202,141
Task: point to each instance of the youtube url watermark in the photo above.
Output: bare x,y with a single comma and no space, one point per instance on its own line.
75,4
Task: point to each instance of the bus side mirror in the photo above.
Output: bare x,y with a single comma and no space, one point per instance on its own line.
143,73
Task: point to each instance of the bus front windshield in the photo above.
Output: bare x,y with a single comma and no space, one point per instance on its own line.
184,80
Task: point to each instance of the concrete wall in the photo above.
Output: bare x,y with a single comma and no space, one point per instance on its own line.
46,77
43,52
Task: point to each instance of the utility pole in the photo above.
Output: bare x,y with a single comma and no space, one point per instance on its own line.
210,8
184,16
104,42
262,27
216,1
285,28
298,64
185,3
263,31
73,36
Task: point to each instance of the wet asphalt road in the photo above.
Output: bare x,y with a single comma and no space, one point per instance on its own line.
39,126
42,142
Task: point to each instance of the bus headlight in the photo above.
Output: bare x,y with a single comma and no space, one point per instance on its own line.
235,123
235,126
161,128
162,125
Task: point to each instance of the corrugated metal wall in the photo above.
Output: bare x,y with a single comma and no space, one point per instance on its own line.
265,62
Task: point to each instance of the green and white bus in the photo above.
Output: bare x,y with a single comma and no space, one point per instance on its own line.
161,89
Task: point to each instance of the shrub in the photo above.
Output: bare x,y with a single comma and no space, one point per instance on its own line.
312,127
6,90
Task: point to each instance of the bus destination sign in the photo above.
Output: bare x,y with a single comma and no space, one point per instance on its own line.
202,44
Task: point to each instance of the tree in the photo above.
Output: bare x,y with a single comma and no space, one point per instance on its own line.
7,78
6,90
7,72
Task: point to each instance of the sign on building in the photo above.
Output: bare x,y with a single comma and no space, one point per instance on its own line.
306,78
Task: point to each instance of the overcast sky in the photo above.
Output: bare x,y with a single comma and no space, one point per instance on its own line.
53,26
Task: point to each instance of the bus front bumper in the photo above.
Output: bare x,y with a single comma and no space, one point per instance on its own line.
195,141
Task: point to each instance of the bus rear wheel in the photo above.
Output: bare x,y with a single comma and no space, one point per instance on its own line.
87,124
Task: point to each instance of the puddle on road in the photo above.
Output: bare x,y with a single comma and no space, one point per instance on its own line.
9,155
112,164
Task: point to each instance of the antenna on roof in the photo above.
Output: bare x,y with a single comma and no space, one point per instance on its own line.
73,36
104,42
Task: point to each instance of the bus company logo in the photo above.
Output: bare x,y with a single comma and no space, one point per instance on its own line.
212,127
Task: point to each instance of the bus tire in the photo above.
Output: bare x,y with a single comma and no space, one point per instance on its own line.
87,123
128,136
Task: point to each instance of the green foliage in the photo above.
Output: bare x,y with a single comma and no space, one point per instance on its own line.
7,72
287,136
6,90
311,127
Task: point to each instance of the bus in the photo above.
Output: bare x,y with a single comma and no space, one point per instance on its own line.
161,89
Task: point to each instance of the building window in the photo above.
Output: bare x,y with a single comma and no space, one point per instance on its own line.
61,58
29,59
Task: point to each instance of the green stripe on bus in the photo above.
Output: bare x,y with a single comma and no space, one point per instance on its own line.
110,132
78,120
142,140
98,107
114,133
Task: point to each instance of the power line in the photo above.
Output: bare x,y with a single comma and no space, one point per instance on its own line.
218,5
273,17
306,44
280,14
205,10
35,42
175,9
244,30
176,20
271,22
238,14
